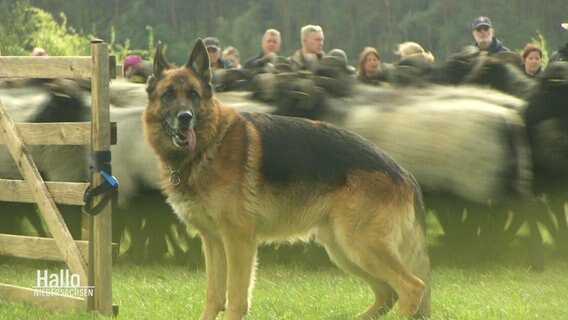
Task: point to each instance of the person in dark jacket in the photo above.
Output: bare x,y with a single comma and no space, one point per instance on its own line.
562,53
269,50
214,50
369,68
311,52
484,36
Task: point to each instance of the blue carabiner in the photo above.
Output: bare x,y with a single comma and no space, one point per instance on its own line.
111,180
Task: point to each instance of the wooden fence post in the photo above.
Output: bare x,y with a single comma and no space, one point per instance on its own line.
100,264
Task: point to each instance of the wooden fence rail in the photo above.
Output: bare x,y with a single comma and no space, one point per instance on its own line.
91,260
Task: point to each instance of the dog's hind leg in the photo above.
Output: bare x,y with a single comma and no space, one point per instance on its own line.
372,241
384,263
385,296
414,255
216,269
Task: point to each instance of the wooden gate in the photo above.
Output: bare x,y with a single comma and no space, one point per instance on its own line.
90,260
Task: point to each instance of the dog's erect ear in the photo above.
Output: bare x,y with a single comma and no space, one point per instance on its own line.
199,63
160,63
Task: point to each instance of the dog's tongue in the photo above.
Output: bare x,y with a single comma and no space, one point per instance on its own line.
189,135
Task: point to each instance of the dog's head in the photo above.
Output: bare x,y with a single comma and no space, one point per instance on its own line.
177,97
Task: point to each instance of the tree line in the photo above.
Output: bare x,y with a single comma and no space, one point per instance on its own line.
441,26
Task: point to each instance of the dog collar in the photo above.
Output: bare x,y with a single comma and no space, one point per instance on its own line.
175,175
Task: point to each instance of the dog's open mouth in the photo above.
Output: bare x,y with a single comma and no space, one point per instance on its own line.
184,139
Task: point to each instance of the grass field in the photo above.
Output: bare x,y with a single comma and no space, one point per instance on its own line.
498,288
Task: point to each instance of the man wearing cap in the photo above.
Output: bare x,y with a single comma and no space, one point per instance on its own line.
562,53
484,36
214,50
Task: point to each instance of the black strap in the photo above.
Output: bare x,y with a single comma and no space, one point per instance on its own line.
99,162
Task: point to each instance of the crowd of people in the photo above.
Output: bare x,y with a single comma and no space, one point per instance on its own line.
370,68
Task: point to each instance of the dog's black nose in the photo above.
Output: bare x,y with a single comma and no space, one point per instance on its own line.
184,117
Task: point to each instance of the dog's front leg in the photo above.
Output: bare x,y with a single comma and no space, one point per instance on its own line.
241,255
216,269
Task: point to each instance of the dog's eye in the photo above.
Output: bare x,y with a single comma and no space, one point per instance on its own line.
169,94
193,94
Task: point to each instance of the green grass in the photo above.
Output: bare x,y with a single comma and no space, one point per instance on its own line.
487,291
499,288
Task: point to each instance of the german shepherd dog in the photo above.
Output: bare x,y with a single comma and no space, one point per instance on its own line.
243,178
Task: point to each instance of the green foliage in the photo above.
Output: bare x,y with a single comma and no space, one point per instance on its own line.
232,35
151,43
120,51
27,27
57,39
13,29
117,49
477,290
541,42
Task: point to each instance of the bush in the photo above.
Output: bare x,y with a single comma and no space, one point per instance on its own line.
26,27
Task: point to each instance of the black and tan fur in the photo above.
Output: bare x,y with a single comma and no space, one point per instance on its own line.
249,178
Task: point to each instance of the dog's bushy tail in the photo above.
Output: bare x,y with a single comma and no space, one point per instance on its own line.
419,209
421,265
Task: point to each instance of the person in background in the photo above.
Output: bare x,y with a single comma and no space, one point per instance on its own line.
410,49
369,67
270,47
532,60
342,57
135,69
484,36
486,42
129,63
307,57
38,52
232,55
562,53
214,50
